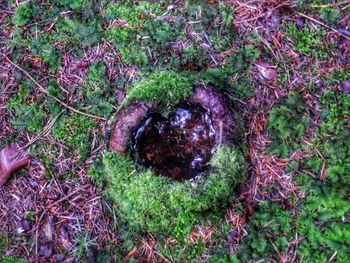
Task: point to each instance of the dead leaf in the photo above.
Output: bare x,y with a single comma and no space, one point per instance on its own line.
12,158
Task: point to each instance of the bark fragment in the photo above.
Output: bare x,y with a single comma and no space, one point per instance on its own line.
127,119
221,115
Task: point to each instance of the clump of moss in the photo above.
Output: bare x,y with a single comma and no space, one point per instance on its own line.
11,260
270,229
306,39
76,132
23,14
323,216
98,91
287,124
140,34
4,243
166,89
30,116
157,204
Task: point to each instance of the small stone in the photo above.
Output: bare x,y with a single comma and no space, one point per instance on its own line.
266,71
47,249
24,226
319,84
64,238
275,18
346,87
49,228
300,22
232,236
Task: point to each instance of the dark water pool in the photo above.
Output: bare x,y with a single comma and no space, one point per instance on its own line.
179,146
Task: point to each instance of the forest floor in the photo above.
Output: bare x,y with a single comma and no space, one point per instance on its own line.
66,67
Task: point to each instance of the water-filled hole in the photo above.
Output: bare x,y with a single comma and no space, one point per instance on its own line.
179,146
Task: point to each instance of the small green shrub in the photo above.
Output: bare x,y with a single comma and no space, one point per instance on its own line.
83,245
287,124
159,205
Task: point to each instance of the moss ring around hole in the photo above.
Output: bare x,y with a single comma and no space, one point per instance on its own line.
166,133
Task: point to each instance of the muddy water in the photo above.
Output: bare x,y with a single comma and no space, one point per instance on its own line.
179,146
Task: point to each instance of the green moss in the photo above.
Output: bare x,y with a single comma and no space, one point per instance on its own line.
4,243
28,116
157,204
11,260
76,132
166,89
330,15
43,48
287,125
74,32
270,229
23,14
336,111
98,91
306,39
323,222
138,31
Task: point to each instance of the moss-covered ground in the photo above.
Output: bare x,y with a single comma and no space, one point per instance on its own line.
67,67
